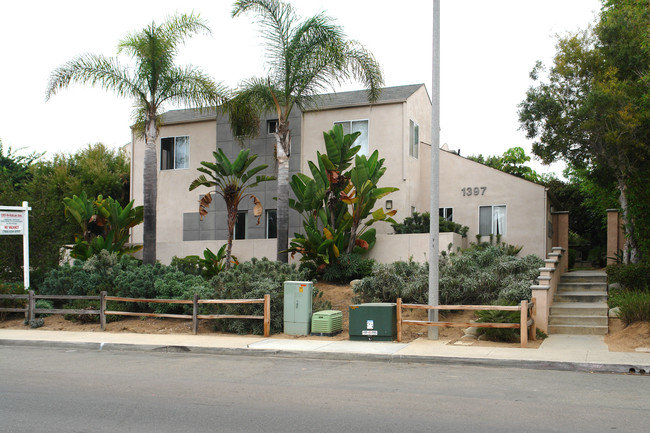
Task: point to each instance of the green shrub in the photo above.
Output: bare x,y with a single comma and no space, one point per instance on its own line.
191,265
140,282
87,278
70,280
419,223
348,267
478,275
406,280
634,306
252,280
44,304
177,285
506,335
635,277
36,323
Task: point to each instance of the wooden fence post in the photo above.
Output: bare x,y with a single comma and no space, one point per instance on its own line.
523,325
31,306
399,320
195,313
267,315
102,309
532,336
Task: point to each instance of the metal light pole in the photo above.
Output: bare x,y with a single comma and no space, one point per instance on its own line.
434,227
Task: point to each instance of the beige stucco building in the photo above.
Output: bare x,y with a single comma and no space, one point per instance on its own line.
398,125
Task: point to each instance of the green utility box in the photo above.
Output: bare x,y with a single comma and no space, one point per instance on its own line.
373,322
297,307
326,323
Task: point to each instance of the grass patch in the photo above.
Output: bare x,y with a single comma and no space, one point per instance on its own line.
634,306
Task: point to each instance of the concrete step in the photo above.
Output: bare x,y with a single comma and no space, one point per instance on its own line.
580,309
577,329
598,320
584,276
586,296
581,286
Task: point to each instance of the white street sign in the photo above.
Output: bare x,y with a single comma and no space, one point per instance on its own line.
12,223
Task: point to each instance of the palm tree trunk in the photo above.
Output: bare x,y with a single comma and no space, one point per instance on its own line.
150,190
283,145
232,218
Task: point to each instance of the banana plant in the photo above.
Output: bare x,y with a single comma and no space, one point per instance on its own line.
362,194
230,181
104,225
336,199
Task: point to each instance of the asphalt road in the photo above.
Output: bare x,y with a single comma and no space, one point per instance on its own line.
57,390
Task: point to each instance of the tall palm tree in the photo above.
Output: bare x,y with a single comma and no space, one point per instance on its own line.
304,58
152,81
231,182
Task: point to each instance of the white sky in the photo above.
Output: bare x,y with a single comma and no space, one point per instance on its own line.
488,49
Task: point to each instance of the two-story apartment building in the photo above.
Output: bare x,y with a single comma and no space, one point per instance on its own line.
398,125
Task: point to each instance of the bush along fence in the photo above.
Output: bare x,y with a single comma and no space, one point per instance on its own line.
526,308
30,309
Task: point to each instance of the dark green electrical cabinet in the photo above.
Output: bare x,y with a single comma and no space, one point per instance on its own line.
373,322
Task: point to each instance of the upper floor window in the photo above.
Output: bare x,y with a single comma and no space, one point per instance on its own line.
414,139
271,126
492,220
350,126
174,152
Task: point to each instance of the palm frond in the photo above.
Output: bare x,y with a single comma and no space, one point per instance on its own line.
277,19
190,86
93,70
163,40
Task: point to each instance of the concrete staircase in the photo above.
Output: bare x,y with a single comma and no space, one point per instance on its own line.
580,304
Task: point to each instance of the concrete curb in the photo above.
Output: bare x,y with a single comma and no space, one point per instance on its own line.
340,356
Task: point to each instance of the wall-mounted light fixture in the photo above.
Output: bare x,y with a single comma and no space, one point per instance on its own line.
389,204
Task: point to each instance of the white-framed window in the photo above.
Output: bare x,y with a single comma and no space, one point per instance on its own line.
240,225
413,210
350,126
447,213
174,152
271,126
492,220
414,139
271,224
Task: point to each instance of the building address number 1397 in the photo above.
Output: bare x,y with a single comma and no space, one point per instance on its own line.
477,190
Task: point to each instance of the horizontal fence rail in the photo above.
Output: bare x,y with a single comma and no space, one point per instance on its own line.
13,297
30,309
527,326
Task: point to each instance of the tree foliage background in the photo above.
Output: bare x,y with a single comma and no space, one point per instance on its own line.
591,109
44,183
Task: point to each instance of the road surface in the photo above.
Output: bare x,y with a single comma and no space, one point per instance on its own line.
62,390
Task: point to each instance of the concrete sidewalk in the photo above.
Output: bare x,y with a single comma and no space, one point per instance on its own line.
557,352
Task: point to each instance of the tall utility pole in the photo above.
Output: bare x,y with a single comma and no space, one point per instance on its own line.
434,228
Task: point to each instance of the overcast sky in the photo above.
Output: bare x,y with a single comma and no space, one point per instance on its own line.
488,49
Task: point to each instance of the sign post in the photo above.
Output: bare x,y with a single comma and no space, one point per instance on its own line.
14,220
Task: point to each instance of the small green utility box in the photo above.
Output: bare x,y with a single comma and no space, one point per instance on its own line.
326,323
373,322
297,307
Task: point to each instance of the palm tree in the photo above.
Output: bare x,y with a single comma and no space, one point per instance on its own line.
304,58
230,180
153,81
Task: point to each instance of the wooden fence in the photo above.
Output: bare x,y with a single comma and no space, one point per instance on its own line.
525,324
30,309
